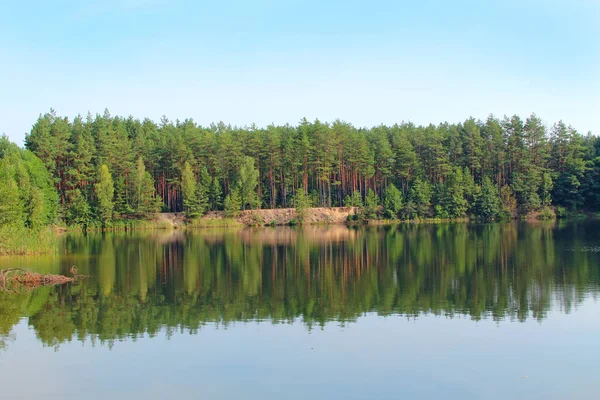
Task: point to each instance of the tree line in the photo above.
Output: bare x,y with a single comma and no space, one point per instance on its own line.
106,168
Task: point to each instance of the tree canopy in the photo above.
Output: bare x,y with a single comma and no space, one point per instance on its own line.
439,170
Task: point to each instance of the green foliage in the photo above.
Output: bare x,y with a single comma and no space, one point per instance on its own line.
419,200
188,191
336,163
546,190
215,195
26,193
19,240
561,212
105,191
203,190
369,211
546,213
78,212
488,201
233,203
301,202
508,203
11,206
392,201
247,183
354,201
144,199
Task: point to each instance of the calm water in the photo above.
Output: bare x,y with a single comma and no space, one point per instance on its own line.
426,311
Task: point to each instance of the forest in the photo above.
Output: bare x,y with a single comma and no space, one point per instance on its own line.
95,170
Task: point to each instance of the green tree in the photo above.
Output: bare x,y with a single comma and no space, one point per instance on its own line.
216,195
488,202
233,203
104,189
302,202
419,200
247,182
188,190
546,189
144,199
508,203
354,201
369,211
11,207
392,201
78,212
203,190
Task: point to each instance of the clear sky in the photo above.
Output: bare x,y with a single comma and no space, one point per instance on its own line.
276,61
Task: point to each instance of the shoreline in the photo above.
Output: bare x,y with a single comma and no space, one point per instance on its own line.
45,242
287,217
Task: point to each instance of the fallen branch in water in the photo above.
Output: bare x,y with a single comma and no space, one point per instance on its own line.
9,278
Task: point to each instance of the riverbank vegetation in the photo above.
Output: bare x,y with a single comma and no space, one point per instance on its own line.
28,202
105,172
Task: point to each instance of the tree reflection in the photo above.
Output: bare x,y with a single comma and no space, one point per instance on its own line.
140,284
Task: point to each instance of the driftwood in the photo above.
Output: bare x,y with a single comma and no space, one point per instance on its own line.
15,277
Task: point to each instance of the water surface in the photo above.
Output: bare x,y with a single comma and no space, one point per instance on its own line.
415,311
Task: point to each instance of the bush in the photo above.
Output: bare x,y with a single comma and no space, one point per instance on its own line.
561,212
546,213
353,217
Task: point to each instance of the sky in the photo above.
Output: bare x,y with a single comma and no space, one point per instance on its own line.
268,61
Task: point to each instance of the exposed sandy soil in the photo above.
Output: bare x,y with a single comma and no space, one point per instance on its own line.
279,216
176,220
283,216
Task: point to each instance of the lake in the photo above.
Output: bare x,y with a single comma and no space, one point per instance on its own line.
453,311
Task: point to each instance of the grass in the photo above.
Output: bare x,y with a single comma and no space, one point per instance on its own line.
122,226
22,241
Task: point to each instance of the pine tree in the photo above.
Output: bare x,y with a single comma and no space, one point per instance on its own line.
188,190
301,202
392,201
203,190
354,201
78,211
216,195
419,199
105,191
488,202
508,203
247,183
370,209
233,203
143,199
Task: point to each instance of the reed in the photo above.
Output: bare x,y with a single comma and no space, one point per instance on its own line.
22,241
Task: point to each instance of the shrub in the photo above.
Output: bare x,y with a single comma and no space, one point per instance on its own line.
546,213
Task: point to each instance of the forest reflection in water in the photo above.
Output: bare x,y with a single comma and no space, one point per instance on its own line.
141,283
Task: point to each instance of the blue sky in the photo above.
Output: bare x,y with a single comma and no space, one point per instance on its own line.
367,62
